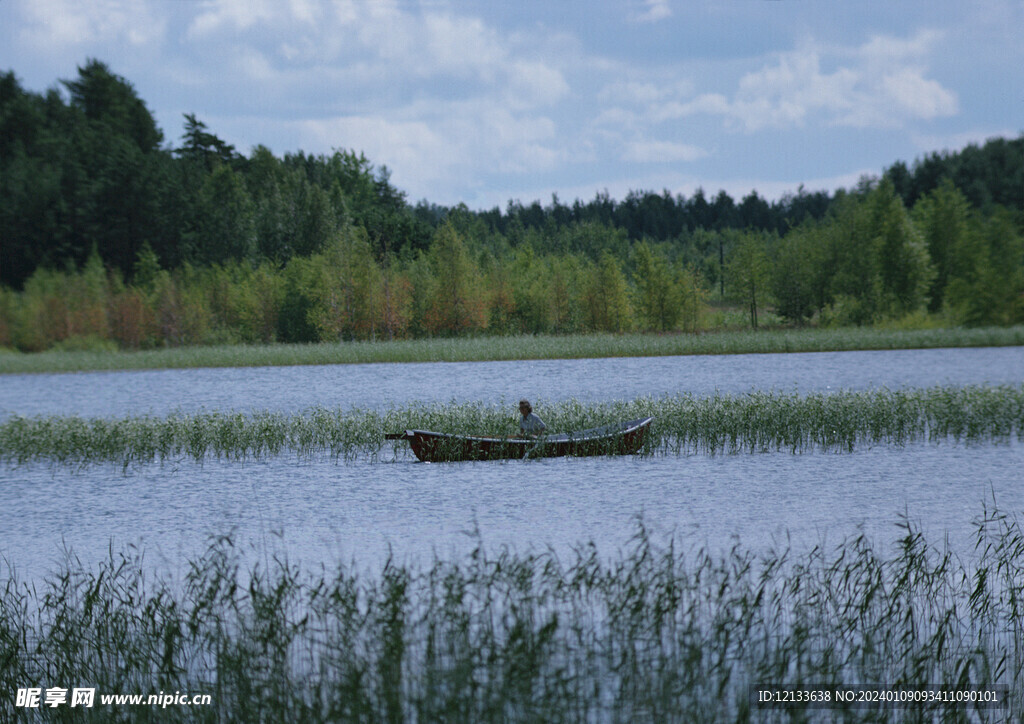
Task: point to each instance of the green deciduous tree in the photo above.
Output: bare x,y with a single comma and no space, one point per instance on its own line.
606,294
899,258
296,317
457,303
563,276
271,187
749,272
879,263
396,300
943,217
659,294
987,286
694,296
244,300
349,289
182,307
799,276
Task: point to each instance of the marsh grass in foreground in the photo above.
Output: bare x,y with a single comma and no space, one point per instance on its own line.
513,348
683,424
659,633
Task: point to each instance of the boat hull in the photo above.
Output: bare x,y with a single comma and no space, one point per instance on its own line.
624,438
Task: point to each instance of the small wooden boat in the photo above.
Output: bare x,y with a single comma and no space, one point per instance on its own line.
624,438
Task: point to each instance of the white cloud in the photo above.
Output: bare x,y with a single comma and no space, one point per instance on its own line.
881,83
885,50
460,45
304,11
239,15
661,152
654,10
618,118
532,84
711,103
53,24
784,94
645,92
432,152
918,97
389,142
381,46
436,95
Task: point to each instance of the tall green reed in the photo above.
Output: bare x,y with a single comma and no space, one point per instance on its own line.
757,421
466,349
662,632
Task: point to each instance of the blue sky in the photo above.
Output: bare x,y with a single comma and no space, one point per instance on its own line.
483,102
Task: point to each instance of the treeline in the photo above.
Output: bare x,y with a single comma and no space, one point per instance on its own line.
92,172
344,293
109,234
989,175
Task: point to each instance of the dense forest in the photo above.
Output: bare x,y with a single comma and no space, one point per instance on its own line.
113,235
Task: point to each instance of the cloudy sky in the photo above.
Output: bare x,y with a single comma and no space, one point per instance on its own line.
481,102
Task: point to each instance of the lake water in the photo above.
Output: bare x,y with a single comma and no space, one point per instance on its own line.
158,392
318,511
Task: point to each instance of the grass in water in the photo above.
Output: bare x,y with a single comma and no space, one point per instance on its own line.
683,424
513,348
659,633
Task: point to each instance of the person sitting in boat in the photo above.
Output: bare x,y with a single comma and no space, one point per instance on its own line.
530,425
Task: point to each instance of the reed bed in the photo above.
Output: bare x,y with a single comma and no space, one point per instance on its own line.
684,424
478,349
658,633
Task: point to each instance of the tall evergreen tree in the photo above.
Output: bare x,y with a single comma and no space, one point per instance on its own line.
113,188
108,99
224,227
202,148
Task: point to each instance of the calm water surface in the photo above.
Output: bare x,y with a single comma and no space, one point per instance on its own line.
158,392
321,510
318,511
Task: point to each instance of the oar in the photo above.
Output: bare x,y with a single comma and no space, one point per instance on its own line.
530,450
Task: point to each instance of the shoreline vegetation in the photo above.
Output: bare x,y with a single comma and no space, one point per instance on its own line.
188,243
684,424
658,632
507,348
